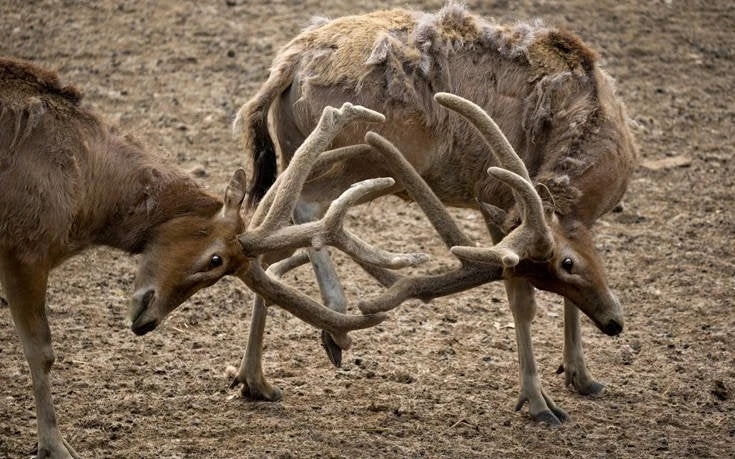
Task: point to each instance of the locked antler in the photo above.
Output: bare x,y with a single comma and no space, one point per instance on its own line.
478,266
270,228
530,240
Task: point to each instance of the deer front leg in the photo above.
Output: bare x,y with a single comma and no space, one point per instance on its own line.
25,289
523,306
329,285
573,366
250,374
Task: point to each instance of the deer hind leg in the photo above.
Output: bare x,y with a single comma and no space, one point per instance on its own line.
573,366
312,205
250,374
523,306
25,290
290,135
329,285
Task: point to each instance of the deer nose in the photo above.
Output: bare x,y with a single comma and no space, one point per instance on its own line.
612,328
140,323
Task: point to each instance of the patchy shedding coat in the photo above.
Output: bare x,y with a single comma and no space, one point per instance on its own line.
542,86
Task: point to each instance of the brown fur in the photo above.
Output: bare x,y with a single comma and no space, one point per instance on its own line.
36,80
542,90
70,181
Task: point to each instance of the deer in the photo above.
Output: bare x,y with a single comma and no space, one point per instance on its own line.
557,112
70,181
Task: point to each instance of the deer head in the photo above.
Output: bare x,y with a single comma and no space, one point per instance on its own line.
552,253
185,255
575,271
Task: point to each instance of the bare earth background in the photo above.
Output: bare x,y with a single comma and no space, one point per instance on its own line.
433,380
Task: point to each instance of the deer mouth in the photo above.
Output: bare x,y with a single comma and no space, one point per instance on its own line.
142,329
611,328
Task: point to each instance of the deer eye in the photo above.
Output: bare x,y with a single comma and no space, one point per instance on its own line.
215,261
567,264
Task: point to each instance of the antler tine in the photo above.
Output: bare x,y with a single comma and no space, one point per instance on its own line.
334,234
276,292
324,160
501,148
329,231
281,267
527,240
532,239
419,191
331,122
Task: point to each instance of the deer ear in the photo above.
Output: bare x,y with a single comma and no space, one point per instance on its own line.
235,193
547,199
544,193
494,219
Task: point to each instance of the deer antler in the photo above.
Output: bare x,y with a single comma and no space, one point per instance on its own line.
532,239
401,288
291,181
270,228
276,292
329,231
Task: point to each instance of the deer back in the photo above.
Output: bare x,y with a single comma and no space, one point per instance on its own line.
541,85
40,152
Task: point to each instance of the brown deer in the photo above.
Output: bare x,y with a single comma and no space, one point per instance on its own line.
547,93
69,181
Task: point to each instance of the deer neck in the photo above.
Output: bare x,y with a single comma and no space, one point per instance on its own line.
139,193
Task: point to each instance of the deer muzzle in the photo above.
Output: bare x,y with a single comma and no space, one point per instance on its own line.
612,328
141,320
609,316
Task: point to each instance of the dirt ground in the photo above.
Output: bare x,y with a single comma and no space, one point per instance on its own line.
433,380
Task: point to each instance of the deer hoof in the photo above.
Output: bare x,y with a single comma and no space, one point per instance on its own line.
581,381
334,352
264,392
548,418
593,389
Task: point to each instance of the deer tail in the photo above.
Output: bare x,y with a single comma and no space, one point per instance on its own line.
251,127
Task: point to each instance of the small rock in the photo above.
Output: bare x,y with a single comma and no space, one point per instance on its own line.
667,163
198,172
720,391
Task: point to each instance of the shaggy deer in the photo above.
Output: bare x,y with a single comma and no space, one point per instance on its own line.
546,92
69,181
